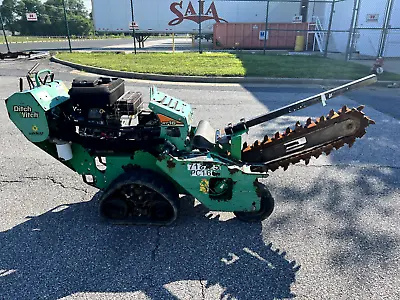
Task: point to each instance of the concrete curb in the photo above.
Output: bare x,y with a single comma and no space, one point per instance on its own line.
200,79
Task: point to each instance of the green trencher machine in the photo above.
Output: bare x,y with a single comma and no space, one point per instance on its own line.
144,158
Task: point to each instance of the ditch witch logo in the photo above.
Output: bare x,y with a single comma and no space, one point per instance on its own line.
192,15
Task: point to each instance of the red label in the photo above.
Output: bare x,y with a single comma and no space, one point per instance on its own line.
191,14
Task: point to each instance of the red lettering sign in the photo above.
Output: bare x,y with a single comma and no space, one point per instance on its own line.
192,15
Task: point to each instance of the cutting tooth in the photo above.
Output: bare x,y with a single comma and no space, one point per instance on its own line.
328,149
307,160
351,142
266,138
244,145
371,122
277,135
331,113
343,110
322,119
362,134
298,124
308,123
256,143
288,130
360,108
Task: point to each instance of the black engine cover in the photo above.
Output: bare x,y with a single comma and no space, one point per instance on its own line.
101,92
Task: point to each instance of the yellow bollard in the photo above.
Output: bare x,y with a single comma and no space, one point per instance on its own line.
299,43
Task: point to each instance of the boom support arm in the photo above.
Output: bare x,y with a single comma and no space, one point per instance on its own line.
243,126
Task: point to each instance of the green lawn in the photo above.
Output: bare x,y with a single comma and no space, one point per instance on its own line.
225,64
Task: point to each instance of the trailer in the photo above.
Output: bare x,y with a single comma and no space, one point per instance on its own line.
183,17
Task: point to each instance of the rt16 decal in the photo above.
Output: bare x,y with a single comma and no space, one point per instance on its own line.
198,169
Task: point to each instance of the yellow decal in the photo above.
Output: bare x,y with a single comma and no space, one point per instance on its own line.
35,128
204,186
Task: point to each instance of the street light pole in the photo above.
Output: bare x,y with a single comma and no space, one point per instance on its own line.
133,28
67,26
201,8
4,32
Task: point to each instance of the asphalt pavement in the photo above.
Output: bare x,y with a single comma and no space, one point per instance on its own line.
125,44
334,233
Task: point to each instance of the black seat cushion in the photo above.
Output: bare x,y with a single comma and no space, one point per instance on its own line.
204,138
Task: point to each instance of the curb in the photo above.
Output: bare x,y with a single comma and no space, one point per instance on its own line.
200,79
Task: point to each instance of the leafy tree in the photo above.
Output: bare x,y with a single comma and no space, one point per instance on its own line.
78,17
50,17
27,27
7,10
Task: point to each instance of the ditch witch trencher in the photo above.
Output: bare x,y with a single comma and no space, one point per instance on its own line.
144,158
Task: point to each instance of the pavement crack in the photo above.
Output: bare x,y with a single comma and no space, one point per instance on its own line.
157,245
203,288
11,181
54,181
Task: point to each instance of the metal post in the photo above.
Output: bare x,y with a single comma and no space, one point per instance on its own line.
266,27
67,26
351,30
385,28
133,27
173,42
355,28
329,29
4,32
200,13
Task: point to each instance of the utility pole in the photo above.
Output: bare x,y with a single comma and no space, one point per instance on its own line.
67,26
201,8
329,29
4,32
266,27
133,28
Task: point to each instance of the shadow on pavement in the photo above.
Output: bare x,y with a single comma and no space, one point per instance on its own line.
351,194
69,250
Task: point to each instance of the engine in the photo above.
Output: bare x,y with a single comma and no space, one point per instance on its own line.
101,105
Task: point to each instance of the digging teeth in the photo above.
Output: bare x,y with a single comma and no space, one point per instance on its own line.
298,124
371,122
256,143
277,135
288,130
308,123
360,108
307,161
332,113
322,119
244,145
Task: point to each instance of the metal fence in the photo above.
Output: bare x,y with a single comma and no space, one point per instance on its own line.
353,29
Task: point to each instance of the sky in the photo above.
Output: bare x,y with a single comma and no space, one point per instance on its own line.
88,4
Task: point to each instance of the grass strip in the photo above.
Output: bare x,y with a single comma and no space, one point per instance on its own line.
225,64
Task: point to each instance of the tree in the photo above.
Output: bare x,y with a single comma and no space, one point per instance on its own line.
78,17
27,27
7,10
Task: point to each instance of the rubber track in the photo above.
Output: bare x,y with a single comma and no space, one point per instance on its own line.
253,154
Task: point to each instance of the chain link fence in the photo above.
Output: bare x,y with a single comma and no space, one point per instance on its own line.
351,29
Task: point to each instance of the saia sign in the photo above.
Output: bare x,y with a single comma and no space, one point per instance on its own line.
191,14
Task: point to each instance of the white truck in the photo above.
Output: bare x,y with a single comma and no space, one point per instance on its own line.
182,16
